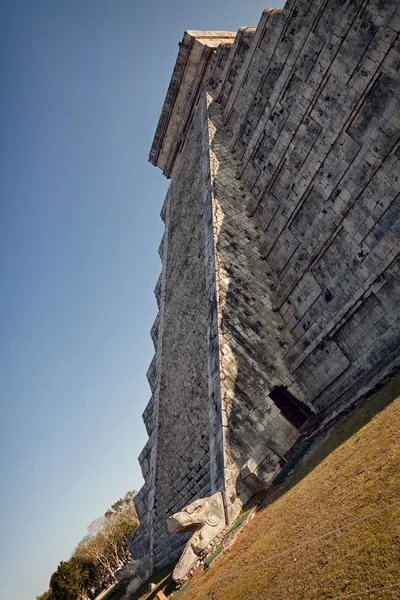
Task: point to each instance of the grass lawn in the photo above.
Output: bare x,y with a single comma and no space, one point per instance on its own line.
350,473
163,582
116,594
162,579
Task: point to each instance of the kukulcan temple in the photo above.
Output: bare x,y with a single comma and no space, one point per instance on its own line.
279,294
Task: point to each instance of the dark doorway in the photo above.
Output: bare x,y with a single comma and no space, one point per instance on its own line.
296,412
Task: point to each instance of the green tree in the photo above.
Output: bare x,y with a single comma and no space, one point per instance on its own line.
72,579
121,505
46,596
99,554
107,541
65,581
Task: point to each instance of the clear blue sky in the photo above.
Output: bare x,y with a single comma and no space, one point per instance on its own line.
82,85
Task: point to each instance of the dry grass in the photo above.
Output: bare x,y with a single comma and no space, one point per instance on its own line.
351,473
162,579
116,594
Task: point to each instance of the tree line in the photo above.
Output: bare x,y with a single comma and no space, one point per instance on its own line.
98,555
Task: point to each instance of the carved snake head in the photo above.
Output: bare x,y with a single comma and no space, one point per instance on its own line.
206,511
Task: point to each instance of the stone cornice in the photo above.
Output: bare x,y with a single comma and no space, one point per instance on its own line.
195,52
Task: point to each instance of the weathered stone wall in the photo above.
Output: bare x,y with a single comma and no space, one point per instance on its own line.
252,337
143,540
182,469
314,120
